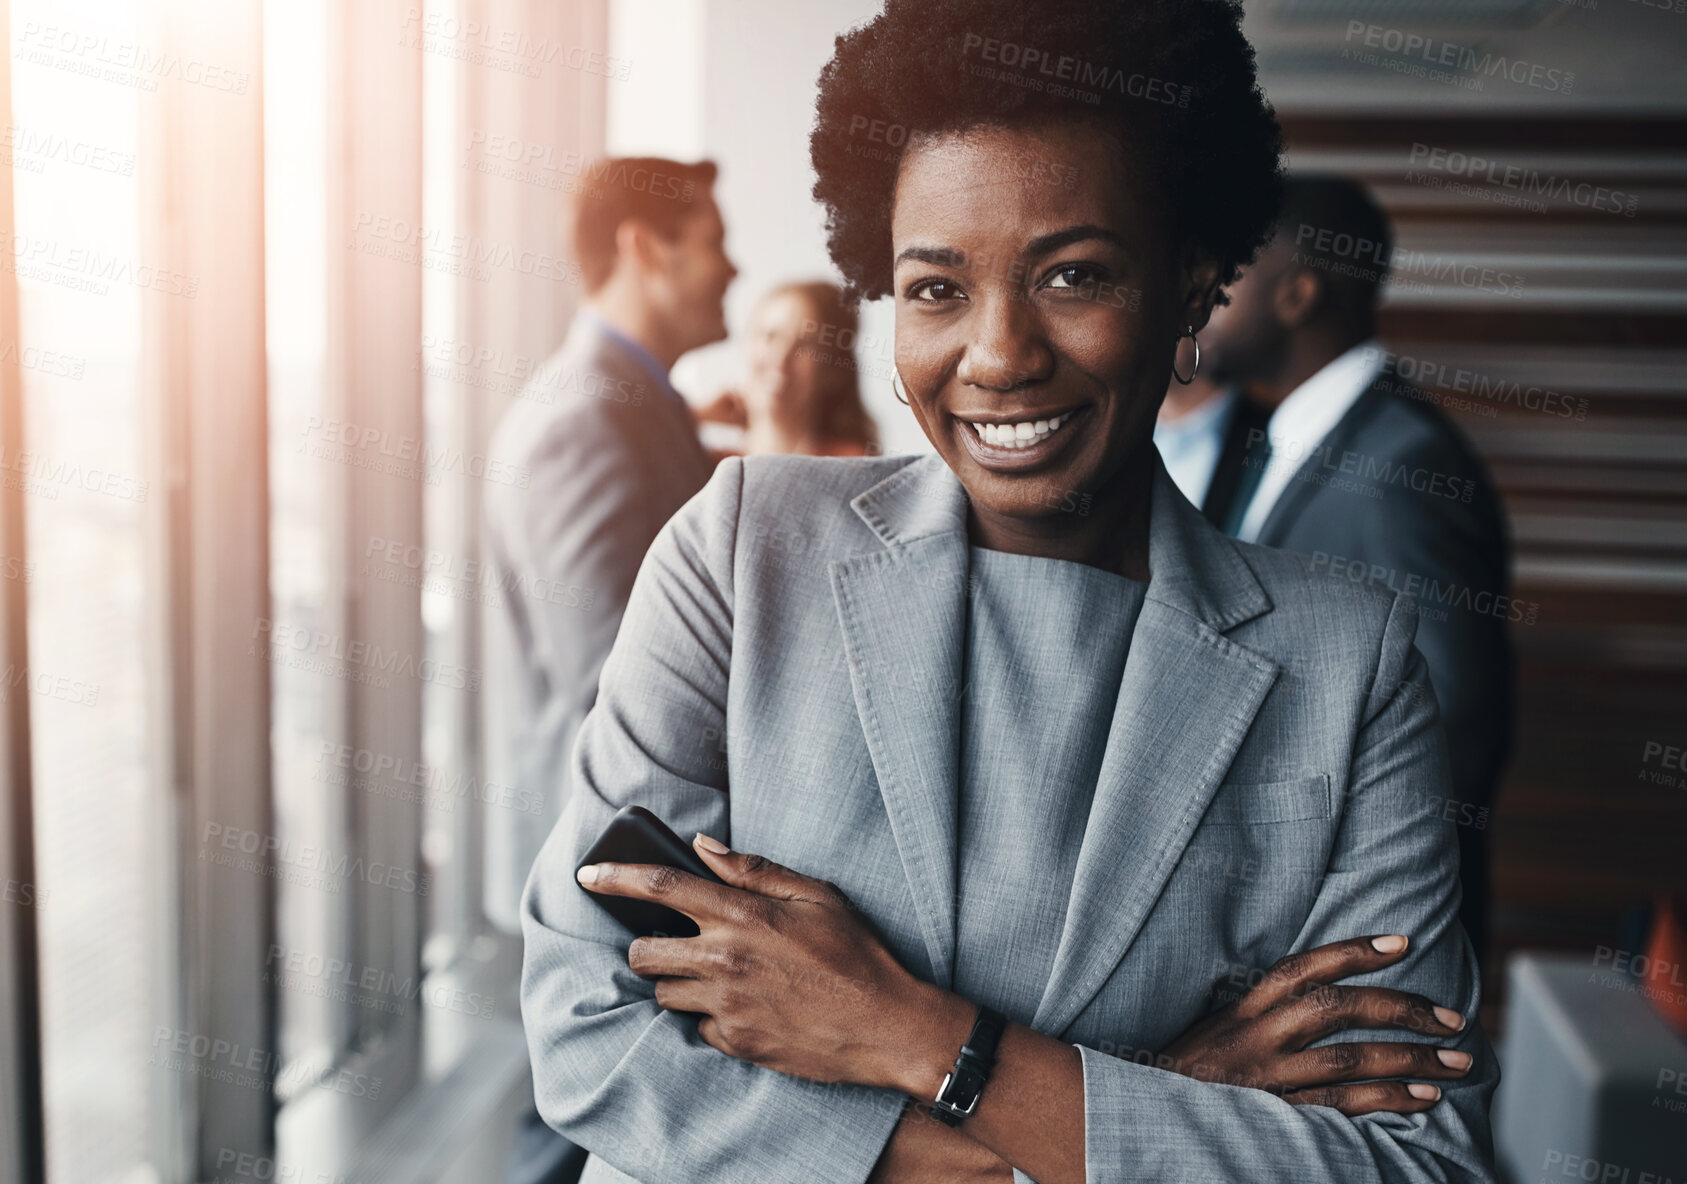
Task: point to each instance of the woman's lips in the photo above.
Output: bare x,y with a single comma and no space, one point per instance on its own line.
1024,452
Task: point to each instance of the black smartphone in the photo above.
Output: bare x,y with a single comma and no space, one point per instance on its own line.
635,835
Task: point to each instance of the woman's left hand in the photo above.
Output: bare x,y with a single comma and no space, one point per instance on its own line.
785,973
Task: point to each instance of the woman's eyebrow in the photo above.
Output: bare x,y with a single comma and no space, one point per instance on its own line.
1043,244
939,256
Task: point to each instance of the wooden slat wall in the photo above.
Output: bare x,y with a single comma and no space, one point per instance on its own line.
1597,497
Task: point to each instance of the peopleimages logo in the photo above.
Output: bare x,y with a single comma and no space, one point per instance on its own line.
44,476
1425,591
282,858
308,973
32,148
409,780
537,163
228,1062
98,56
525,377
1424,53
1417,378
381,450
1379,471
1028,60
1471,166
1597,1171
86,269
1341,253
507,49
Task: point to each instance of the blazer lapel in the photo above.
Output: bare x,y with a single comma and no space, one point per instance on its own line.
1187,699
1303,484
902,610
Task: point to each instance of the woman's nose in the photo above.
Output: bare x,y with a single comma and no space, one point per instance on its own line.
1006,347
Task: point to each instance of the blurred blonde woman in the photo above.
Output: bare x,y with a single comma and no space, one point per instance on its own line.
801,394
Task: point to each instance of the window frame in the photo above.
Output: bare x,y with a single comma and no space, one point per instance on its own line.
23,1153
205,406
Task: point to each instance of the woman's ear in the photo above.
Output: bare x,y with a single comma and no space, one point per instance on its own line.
1200,286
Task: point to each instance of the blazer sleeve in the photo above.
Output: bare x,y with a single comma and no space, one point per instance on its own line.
614,1072
1394,869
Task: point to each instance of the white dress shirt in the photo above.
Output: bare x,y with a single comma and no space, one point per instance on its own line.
1190,444
1303,420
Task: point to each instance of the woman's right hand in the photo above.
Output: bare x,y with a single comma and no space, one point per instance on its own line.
726,407
1260,1041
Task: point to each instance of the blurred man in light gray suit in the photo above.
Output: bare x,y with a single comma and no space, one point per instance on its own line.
613,452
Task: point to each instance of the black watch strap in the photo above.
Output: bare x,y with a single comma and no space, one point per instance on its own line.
961,1089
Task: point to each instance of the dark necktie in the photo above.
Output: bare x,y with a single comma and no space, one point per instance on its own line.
1254,462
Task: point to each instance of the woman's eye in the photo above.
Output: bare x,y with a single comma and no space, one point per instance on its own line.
1074,276
933,291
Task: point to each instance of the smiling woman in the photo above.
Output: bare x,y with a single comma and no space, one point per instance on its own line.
1174,761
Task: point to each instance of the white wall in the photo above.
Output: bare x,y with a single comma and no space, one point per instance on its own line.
657,110
749,72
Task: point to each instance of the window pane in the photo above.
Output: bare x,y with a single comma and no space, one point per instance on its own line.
81,278
448,815
311,781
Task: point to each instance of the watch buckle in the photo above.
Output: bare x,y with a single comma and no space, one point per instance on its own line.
948,1079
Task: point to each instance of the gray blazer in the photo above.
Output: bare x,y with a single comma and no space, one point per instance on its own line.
796,636
610,457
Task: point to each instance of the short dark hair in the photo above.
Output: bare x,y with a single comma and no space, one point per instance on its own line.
1337,230
1174,75
662,193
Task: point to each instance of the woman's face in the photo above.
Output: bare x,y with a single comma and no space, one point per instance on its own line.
1038,299
785,362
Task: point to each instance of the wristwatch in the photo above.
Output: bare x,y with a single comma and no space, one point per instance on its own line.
961,1089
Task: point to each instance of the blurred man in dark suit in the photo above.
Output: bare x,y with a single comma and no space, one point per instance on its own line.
612,451
1357,469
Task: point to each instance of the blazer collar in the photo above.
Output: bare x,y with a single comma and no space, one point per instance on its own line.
921,499
606,338
1184,706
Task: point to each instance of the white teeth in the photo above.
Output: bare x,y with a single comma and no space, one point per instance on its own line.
1018,435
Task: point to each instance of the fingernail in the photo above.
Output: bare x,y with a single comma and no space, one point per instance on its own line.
1450,1018
714,845
1427,1093
587,874
1391,944
1453,1058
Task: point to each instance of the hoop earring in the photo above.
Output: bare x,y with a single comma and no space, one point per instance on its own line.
896,387
1188,332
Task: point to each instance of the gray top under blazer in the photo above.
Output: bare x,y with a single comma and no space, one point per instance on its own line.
796,636
1045,649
